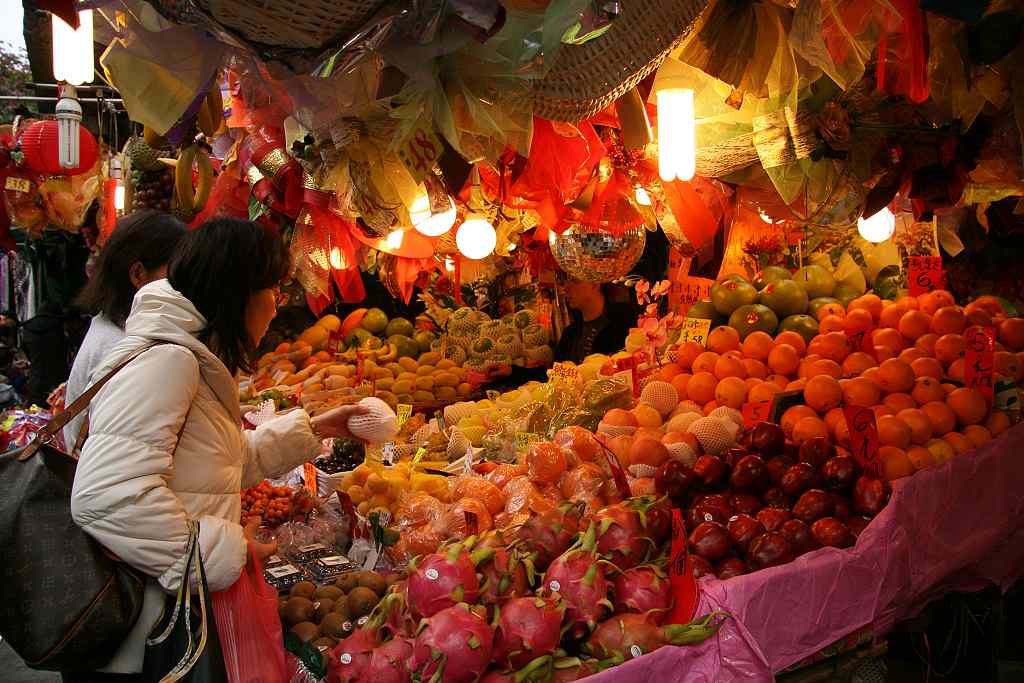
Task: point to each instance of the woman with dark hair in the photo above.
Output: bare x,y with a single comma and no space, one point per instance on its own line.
135,255
165,446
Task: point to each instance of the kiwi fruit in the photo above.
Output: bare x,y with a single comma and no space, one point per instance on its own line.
361,601
303,589
298,610
324,606
332,592
306,631
281,602
374,582
341,607
333,626
325,643
347,582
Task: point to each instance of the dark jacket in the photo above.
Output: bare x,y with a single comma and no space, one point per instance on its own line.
609,335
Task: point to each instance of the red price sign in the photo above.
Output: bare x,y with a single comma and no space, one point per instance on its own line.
979,360
334,342
419,151
756,412
472,525
350,511
860,340
688,290
863,438
630,364
925,274
684,586
618,474
309,478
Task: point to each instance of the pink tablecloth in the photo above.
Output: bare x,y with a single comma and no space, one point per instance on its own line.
954,528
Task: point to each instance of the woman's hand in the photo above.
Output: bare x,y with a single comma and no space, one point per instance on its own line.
333,424
258,548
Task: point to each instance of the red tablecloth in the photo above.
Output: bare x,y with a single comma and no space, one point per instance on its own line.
957,527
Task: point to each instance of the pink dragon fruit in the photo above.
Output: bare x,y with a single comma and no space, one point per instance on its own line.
391,662
350,659
626,636
527,628
549,534
505,575
627,530
453,646
644,589
567,669
577,575
540,669
441,580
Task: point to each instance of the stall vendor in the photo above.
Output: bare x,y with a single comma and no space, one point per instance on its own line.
599,326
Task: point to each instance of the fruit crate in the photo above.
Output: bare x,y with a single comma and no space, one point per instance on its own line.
840,661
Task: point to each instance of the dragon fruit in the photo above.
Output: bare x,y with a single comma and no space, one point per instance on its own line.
578,576
453,646
645,590
527,628
391,615
391,662
441,580
504,576
351,657
626,636
567,669
628,532
549,534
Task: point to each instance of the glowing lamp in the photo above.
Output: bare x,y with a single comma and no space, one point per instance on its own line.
642,198
476,237
429,223
337,260
73,56
878,227
394,239
677,139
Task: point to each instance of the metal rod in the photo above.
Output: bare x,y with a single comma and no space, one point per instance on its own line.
54,86
32,98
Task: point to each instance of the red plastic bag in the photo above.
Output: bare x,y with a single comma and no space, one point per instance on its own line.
249,628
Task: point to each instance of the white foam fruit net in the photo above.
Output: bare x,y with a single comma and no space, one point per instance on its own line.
661,395
456,411
713,434
378,425
615,430
682,422
682,452
727,413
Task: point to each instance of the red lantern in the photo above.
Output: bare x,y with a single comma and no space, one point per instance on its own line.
40,146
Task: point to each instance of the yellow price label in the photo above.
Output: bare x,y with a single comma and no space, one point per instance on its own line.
18,184
420,150
420,452
524,439
404,413
696,330
493,394
564,372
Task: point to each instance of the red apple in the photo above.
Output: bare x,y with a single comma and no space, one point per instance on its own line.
829,531
700,513
749,474
814,504
842,507
777,467
798,478
730,567
870,495
701,567
856,525
743,529
711,541
773,518
769,550
768,439
674,479
816,451
734,455
745,503
720,502
776,498
711,470
839,472
799,535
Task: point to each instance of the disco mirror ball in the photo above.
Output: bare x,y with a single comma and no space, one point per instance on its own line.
594,254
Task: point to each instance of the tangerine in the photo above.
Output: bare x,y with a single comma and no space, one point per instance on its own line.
858,320
871,374
822,392
926,343
825,366
680,381
752,382
977,315
831,323
807,428
647,416
969,405
710,407
668,371
793,415
910,355
792,338
932,301
920,425
977,434
645,451
892,431
941,450
942,417
997,422
701,387
871,303
888,338
908,302
890,316
895,375
758,345
732,392
914,324
705,362
927,367
688,353
960,443
755,368
949,320
899,401
830,309
723,338
882,353
895,463
784,359
765,391
834,345
920,457
545,462
926,390
955,371
779,380
856,363
1011,333
796,384
729,367
861,391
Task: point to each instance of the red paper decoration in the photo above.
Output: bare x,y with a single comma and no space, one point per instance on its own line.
39,144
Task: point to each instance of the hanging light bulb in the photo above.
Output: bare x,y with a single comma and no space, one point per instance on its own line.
337,259
765,217
642,198
677,142
476,237
429,223
449,264
119,195
878,227
69,120
394,239
73,56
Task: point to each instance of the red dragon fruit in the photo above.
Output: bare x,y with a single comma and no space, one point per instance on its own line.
577,575
645,590
391,662
626,636
453,646
441,580
567,669
505,575
351,657
628,532
549,534
527,628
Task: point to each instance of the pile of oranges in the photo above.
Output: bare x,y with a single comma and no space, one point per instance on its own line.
903,359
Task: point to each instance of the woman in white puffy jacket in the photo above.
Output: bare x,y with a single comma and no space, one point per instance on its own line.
165,443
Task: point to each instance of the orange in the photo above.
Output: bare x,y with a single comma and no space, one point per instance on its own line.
834,345
895,463
823,393
793,339
882,353
688,353
784,359
796,384
729,367
888,338
890,316
913,324
977,315
831,323
899,401
482,490
755,368
920,425
997,422
793,415
1008,365
668,372
545,462
926,390
833,418
880,411
825,366
908,302
836,310
780,380
732,392
934,300
941,450
765,391
868,302
955,371
807,428
858,320
895,375
927,367
910,355
752,382
647,452
701,387
920,457
805,364
709,407
705,362
680,381
969,405
989,304
892,431
926,343
723,338
949,347
841,433
646,415
861,391
856,363
758,345
960,443
977,434
619,446
949,320
1011,333
735,353
942,417
871,374
948,388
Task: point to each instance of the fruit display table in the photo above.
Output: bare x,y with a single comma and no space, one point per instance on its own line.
956,527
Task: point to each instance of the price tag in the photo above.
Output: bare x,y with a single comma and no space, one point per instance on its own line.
688,290
924,274
524,439
863,438
493,394
360,369
404,413
17,184
420,150
626,377
439,416
695,330
979,360
387,454
755,413
1006,396
334,342
420,452
626,371
618,475
565,372
684,587
472,525
369,385
309,478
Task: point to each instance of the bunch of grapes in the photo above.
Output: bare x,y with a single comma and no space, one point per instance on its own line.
153,189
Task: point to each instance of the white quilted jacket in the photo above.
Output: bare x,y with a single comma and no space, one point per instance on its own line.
137,484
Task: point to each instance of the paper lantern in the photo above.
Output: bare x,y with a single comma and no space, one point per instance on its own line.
476,237
40,144
595,254
73,57
878,227
677,141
